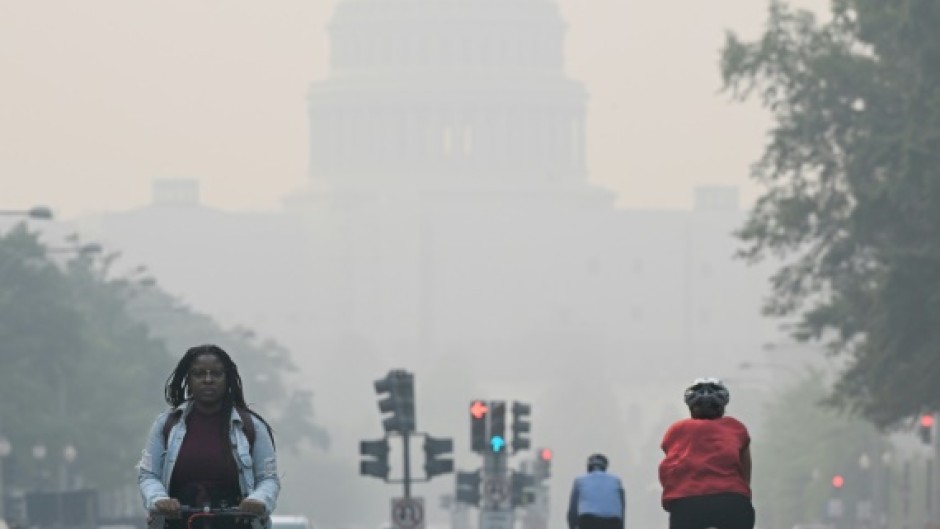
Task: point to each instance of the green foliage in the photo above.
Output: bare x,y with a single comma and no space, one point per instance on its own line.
85,356
852,177
73,364
802,446
263,364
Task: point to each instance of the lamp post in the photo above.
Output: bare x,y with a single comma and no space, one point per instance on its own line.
864,508
882,490
69,453
5,449
39,454
35,212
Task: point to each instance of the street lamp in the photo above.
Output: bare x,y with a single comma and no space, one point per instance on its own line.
35,212
69,453
39,454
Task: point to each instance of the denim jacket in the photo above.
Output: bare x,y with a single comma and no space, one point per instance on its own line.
257,466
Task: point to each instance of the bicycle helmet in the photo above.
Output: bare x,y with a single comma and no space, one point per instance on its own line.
597,462
707,397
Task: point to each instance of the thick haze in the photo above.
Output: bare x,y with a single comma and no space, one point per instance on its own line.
593,315
99,98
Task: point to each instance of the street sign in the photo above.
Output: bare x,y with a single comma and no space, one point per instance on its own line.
496,519
408,513
496,490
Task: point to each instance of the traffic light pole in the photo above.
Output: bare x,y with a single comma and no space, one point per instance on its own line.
406,454
496,513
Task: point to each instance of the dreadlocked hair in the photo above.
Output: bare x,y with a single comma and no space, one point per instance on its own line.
177,384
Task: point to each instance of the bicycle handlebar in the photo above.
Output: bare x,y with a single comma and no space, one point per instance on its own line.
189,514
215,511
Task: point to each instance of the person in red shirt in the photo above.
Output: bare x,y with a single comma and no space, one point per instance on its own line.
706,471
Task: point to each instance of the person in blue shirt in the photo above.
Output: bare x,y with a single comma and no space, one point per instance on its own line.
598,500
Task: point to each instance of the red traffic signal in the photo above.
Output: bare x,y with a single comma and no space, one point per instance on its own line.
838,481
478,409
926,420
542,466
479,413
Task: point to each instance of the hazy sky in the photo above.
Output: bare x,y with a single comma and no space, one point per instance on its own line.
99,97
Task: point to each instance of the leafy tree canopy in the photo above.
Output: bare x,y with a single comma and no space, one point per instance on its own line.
802,446
264,364
85,356
852,178
72,366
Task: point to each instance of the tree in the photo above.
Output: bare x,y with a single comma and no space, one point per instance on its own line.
73,364
263,364
76,351
802,445
852,171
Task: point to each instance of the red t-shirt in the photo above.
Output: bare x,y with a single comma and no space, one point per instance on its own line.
703,456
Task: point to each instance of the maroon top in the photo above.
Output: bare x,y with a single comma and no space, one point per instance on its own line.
205,470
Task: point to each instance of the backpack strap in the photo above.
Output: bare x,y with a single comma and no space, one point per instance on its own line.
169,423
248,426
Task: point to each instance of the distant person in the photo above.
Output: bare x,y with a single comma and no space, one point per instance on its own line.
706,471
209,448
598,500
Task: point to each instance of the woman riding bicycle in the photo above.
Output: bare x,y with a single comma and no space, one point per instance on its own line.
204,451
706,471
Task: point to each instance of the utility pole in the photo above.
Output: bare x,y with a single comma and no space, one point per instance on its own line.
406,470
497,511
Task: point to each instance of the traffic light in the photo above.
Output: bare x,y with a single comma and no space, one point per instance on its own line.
497,425
375,463
520,489
542,469
400,401
925,427
838,481
468,488
433,448
478,414
520,426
